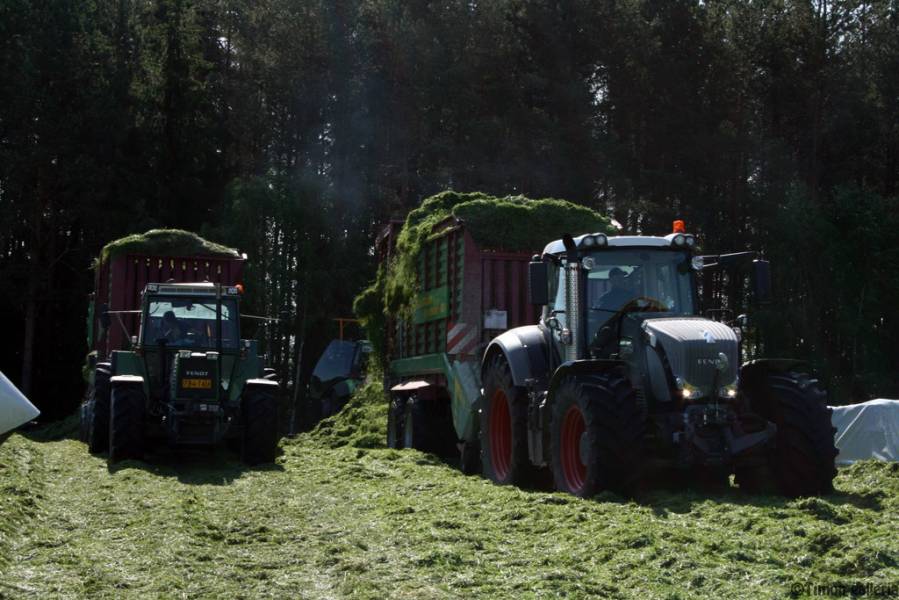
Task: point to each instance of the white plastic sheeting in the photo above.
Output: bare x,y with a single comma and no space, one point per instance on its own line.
867,430
15,409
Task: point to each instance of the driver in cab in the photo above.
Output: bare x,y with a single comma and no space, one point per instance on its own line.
172,329
620,292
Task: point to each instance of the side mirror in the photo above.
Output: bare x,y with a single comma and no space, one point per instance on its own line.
538,282
761,281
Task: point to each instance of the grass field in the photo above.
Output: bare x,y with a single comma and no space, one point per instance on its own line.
332,520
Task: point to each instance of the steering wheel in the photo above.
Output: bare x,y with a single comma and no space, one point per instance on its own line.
606,334
644,304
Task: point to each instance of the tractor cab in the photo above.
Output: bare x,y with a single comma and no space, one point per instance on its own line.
634,299
188,378
182,315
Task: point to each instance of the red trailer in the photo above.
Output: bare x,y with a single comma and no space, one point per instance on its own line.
469,294
126,266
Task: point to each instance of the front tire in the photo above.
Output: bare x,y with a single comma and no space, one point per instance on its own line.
596,435
98,410
259,410
126,423
802,460
504,427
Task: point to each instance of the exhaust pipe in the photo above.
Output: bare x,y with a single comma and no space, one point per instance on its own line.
572,334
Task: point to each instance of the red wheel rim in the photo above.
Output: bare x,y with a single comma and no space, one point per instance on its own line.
500,435
573,468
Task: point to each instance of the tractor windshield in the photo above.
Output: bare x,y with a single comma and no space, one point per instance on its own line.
189,322
647,281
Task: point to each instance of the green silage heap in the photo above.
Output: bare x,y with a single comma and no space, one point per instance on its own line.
513,223
169,242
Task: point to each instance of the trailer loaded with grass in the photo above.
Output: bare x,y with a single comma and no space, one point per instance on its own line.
455,277
590,364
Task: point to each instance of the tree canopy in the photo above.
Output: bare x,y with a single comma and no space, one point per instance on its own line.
290,129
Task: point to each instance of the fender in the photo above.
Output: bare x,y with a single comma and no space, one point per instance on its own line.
119,381
582,367
755,368
265,384
526,352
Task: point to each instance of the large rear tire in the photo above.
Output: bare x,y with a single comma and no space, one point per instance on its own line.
98,410
596,435
126,423
504,427
801,463
259,410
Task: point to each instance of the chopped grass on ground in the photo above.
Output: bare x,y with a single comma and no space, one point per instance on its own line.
331,519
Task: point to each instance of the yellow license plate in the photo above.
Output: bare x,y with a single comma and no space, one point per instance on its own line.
196,384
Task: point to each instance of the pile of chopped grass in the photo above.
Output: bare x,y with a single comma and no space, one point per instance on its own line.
363,421
513,223
171,242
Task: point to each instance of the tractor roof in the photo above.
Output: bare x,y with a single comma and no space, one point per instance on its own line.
620,241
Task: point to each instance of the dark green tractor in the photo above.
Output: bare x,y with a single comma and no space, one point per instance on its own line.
187,380
623,373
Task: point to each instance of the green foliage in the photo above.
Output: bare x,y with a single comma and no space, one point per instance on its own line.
290,129
170,242
833,314
512,223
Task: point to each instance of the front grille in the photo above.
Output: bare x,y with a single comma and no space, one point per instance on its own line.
693,347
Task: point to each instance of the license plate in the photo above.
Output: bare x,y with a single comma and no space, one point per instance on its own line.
196,384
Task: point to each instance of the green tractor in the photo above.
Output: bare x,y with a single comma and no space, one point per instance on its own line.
622,373
188,379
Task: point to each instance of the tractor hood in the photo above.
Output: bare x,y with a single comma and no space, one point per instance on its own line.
696,349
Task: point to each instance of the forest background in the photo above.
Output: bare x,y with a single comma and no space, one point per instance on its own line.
292,129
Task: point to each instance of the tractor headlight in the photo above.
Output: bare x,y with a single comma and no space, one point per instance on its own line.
697,262
690,241
688,391
588,242
679,240
728,392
